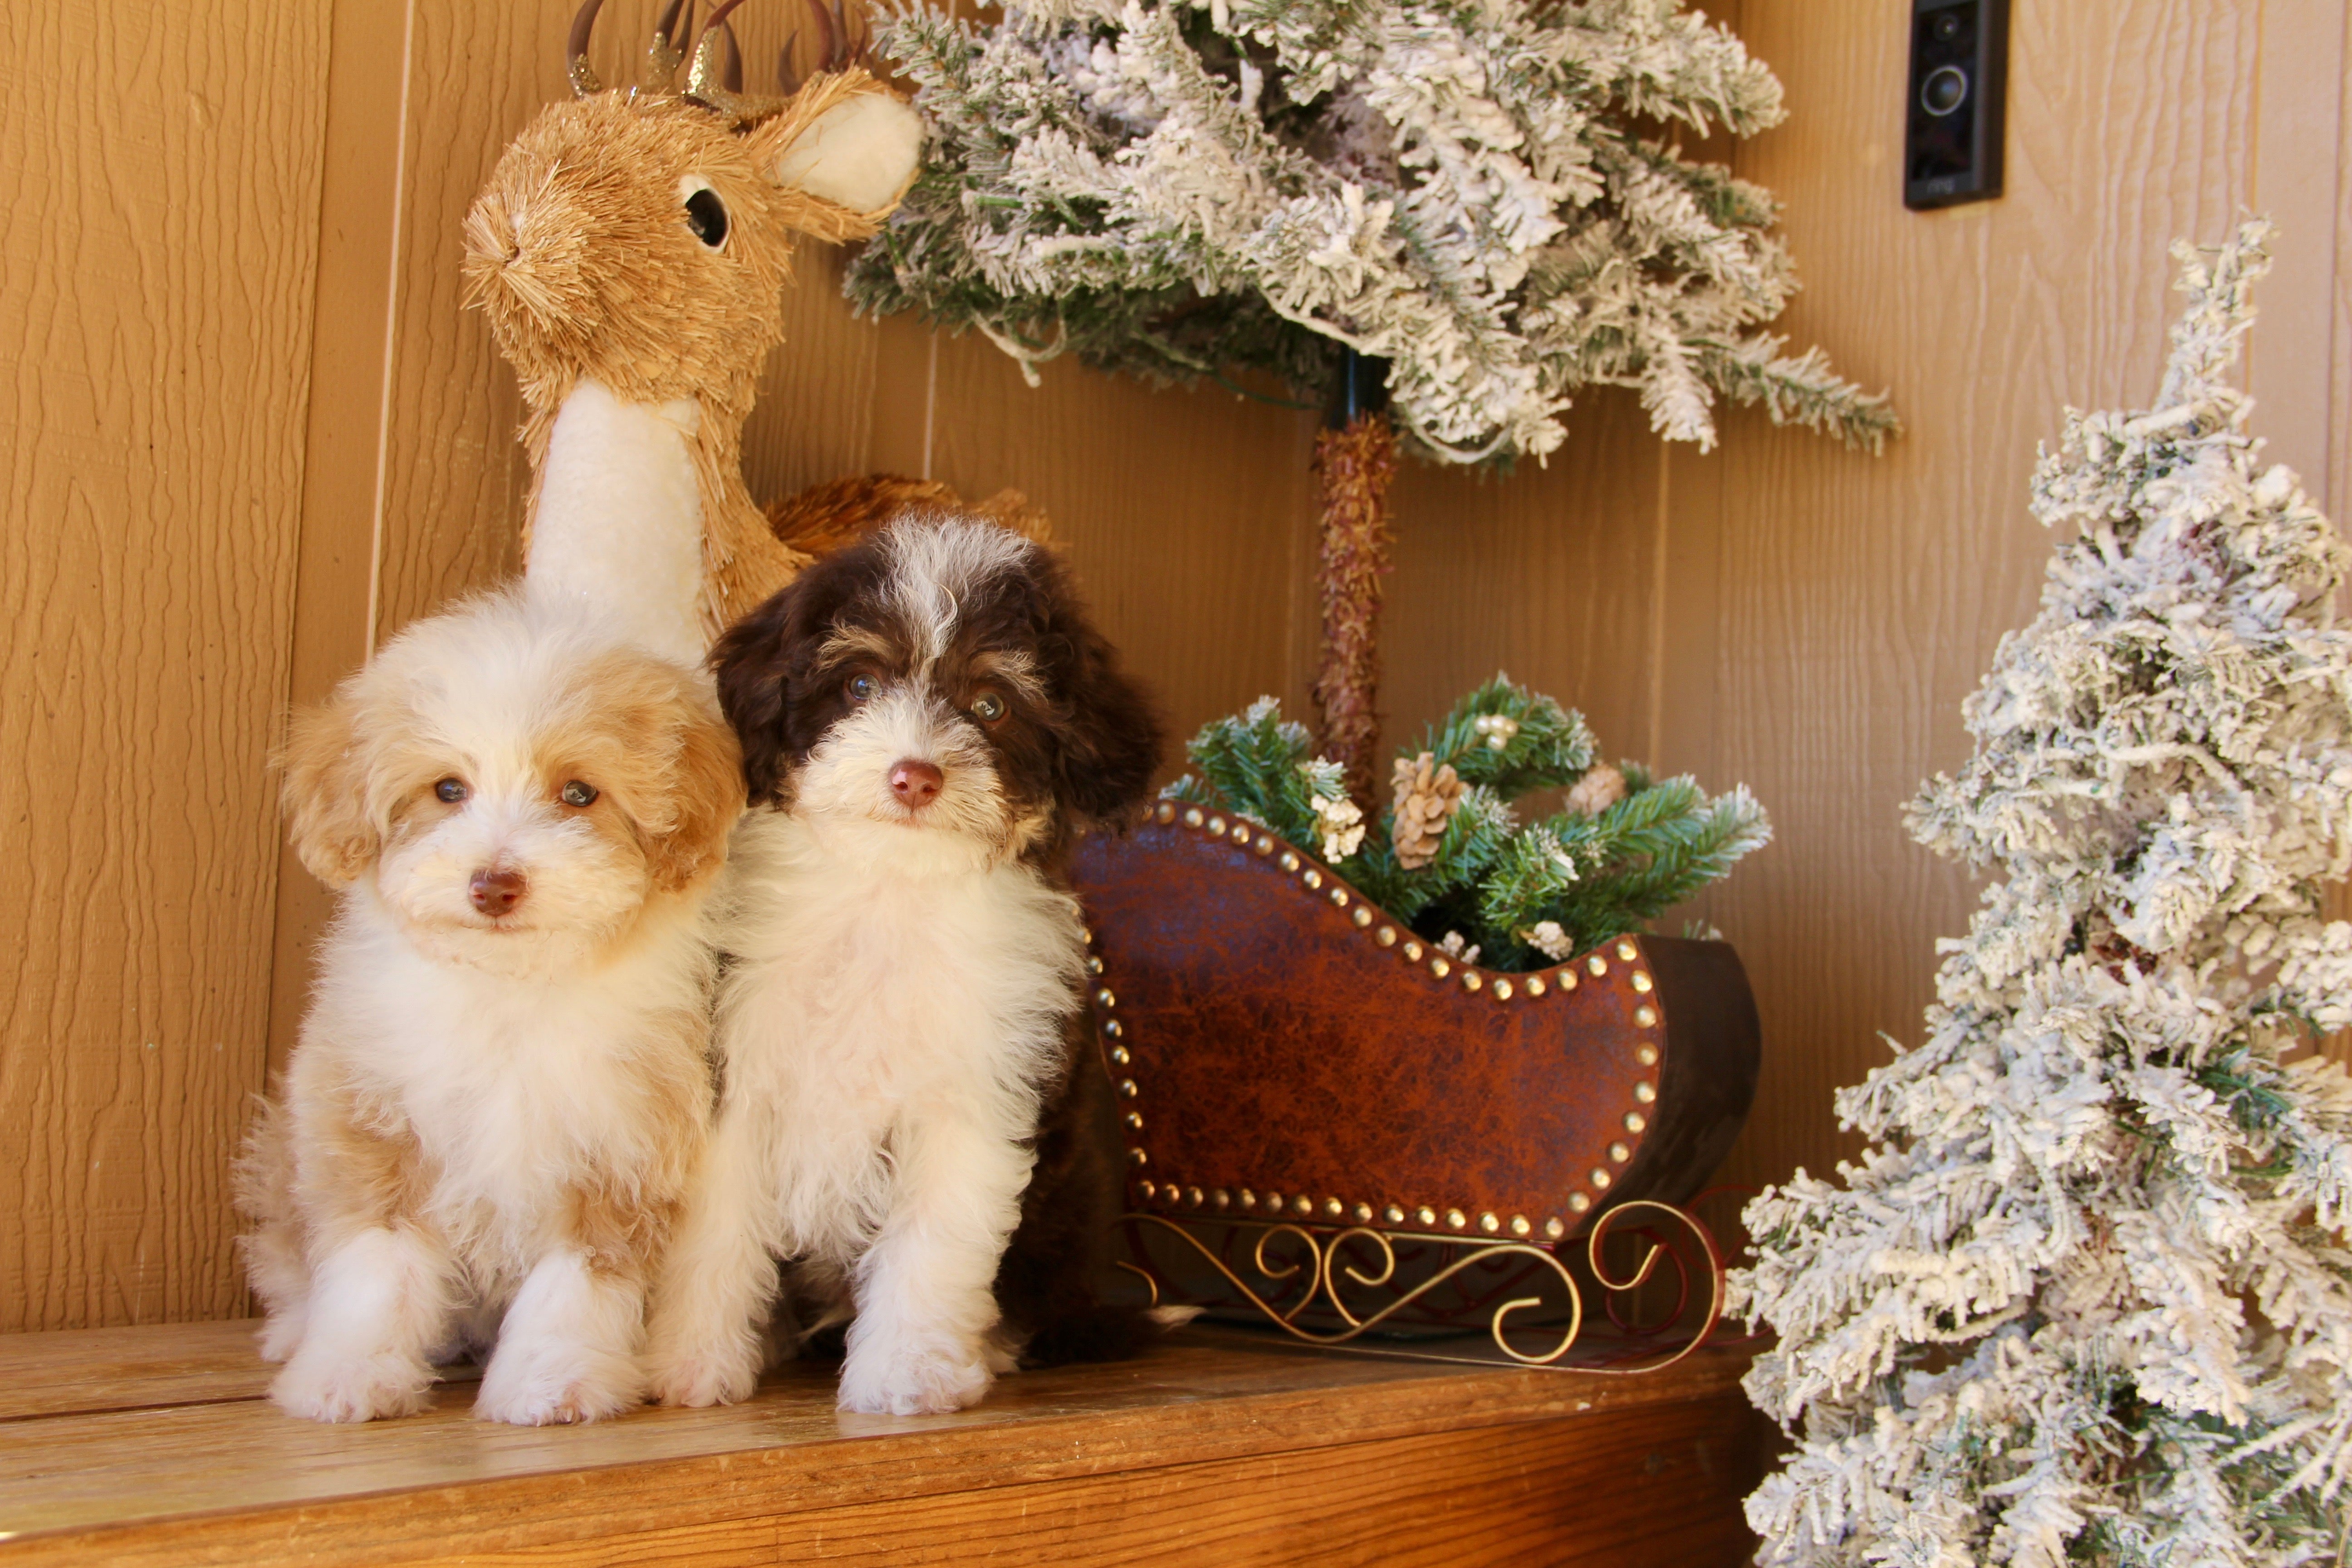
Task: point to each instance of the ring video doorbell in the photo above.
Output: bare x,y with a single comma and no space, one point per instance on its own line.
1959,70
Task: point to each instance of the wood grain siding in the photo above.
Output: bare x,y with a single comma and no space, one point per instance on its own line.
2295,362
250,431
158,190
1551,574
1860,601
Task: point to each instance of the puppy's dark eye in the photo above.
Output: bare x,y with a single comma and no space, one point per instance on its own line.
578,793
706,215
861,686
452,790
988,708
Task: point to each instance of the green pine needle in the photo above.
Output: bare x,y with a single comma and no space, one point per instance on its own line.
1500,884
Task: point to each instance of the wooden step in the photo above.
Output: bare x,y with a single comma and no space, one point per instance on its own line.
154,1446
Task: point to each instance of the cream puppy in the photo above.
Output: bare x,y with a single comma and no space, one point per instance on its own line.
501,1083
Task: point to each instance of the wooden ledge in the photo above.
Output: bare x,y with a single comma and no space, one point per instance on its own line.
141,1447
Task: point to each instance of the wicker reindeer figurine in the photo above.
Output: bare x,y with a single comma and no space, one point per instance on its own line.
630,251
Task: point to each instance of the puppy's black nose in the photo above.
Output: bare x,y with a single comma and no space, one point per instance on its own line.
916,785
496,893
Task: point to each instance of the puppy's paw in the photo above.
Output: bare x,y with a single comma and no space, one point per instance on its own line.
564,1405
555,1386
704,1379
364,1390
916,1383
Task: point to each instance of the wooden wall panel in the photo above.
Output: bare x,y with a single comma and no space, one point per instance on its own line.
158,190
343,482
1861,601
2293,360
1551,574
252,432
454,477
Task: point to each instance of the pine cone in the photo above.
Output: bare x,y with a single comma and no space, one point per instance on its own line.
1428,793
1601,787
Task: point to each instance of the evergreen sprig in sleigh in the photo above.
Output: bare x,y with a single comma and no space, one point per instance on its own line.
1343,1112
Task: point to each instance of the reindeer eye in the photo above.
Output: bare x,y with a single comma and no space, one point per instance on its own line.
451,790
861,686
578,793
706,215
988,708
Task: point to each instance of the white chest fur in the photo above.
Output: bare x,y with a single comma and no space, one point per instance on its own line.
619,525
868,1000
516,1087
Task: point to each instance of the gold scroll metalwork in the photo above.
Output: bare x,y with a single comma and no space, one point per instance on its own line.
1329,1276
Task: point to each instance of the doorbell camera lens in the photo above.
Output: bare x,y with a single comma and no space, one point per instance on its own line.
1946,88
1955,101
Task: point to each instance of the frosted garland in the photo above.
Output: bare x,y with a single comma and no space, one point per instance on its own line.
1458,188
2085,1298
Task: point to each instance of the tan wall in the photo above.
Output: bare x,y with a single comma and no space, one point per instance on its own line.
250,431
159,244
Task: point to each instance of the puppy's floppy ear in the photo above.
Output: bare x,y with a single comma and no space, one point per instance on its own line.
753,661
325,792
1110,745
706,785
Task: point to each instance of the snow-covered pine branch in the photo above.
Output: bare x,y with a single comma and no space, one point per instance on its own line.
1484,193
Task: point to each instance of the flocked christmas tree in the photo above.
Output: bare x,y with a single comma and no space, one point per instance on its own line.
1482,195
2086,1298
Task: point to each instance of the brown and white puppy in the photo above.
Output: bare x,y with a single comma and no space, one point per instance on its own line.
928,718
502,1083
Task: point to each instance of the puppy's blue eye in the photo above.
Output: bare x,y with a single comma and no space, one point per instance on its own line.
861,686
988,708
578,793
452,790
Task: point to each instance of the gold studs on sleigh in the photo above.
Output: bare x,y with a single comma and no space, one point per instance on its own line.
1533,986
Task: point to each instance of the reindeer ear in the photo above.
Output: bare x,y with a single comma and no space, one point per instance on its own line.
325,792
860,155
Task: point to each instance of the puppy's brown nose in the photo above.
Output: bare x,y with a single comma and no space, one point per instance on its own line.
496,893
916,785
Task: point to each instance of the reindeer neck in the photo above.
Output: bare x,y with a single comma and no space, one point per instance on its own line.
617,514
640,507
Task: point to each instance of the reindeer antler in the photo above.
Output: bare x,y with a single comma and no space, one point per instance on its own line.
663,55
843,44
667,51
575,52
715,80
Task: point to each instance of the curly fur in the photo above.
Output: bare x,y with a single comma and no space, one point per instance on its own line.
904,1088
492,1112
